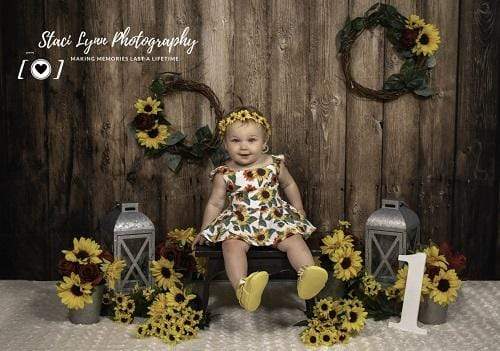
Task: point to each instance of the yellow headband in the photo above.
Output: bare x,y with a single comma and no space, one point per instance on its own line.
243,115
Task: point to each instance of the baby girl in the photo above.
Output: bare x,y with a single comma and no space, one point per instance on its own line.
256,214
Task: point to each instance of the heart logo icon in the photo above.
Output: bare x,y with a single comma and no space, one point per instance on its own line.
40,67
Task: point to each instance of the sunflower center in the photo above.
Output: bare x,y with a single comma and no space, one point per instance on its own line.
179,298
148,108
153,133
341,337
424,39
166,272
265,194
82,254
332,314
324,307
171,337
326,338
312,339
75,290
346,263
444,285
261,172
353,317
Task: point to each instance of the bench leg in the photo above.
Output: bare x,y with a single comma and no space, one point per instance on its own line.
211,267
309,306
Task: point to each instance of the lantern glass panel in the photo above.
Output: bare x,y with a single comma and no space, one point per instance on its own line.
385,251
134,250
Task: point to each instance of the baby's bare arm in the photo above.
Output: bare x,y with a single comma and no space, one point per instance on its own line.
216,201
291,189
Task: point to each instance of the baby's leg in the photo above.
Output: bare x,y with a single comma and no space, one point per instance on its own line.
297,251
235,260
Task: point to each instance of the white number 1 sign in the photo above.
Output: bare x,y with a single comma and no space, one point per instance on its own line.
411,302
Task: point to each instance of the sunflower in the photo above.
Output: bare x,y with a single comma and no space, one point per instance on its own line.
159,307
329,336
262,235
310,337
164,273
171,337
149,106
427,41
153,138
177,297
322,307
335,241
445,287
371,287
84,251
124,317
261,173
265,195
347,263
414,22
354,319
277,213
241,214
391,292
345,224
142,331
182,236
73,293
201,263
147,293
112,271
434,258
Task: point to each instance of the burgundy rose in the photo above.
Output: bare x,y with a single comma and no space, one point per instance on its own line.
432,271
408,37
168,251
90,273
457,262
144,121
106,255
67,267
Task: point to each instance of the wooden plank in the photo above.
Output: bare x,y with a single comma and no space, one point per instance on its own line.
67,127
217,52
181,200
146,188
437,127
251,65
364,127
327,108
400,131
475,208
26,149
105,110
290,120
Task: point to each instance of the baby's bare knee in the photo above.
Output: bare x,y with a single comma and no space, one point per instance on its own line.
234,245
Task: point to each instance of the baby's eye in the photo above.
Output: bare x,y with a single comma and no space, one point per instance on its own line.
234,140
252,140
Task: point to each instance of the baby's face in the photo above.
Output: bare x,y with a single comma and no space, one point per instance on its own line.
245,142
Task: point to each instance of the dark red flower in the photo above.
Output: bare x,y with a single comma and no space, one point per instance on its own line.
168,251
67,267
455,259
90,273
408,37
144,121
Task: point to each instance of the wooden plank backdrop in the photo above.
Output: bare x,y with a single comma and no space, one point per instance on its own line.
67,148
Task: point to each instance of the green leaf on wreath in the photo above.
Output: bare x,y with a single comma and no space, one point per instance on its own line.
218,156
394,83
358,23
157,87
203,133
173,162
417,83
174,138
302,323
406,53
425,92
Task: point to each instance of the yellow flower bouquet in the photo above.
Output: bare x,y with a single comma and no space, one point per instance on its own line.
84,268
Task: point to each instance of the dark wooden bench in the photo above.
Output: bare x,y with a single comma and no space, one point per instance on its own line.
260,258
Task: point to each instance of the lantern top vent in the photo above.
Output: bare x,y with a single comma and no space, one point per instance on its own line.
393,215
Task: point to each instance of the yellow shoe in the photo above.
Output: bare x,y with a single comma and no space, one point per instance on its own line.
311,281
250,290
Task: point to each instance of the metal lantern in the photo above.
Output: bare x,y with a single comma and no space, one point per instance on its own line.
390,232
133,241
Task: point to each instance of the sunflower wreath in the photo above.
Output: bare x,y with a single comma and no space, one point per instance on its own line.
414,40
156,134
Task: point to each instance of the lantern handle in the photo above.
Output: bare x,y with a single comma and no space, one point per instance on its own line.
393,204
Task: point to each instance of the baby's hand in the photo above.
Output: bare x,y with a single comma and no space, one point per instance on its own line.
198,239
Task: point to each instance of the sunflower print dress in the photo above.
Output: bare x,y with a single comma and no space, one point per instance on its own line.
256,213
